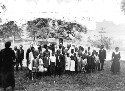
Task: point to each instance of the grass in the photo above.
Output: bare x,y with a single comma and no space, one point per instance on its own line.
98,81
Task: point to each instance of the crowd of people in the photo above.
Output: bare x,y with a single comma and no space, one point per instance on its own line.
47,60
65,59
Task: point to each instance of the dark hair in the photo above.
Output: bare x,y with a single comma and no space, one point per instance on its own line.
88,47
85,51
102,46
45,46
32,48
116,48
60,46
39,47
67,54
82,48
8,44
21,45
72,50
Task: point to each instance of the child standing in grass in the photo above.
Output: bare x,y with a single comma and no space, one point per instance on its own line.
52,64
97,61
67,66
72,63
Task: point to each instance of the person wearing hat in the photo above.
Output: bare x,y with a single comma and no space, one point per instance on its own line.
102,56
115,67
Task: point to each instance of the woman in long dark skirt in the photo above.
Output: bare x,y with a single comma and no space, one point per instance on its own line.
7,70
115,67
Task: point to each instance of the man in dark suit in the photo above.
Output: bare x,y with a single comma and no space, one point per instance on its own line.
102,56
46,59
16,56
21,56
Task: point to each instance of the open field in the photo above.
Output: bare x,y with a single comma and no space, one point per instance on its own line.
98,81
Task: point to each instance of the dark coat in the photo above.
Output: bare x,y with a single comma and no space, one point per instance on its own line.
8,57
21,54
102,55
62,61
57,60
89,60
27,53
7,74
45,60
17,54
0,62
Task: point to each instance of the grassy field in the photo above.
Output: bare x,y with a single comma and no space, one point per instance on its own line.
98,81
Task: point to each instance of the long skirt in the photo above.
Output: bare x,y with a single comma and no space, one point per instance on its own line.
79,66
67,66
7,79
72,65
115,67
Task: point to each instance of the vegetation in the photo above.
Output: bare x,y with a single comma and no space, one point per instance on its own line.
48,28
10,29
99,81
106,41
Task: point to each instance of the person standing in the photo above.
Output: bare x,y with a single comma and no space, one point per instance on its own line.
62,61
102,56
0,70
72,62
89,63
115,67
27,54
16,51
97,61
30,65
46,59
58,70
21,56
8,57
67,65
52,64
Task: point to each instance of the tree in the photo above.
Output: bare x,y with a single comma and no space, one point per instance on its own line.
38,28
10,29
123,6
41,28
106,41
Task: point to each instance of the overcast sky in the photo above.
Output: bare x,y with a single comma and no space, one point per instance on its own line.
97,10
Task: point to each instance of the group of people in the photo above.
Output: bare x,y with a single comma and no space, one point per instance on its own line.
49,60
61,60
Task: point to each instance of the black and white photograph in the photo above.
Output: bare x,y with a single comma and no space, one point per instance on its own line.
62,45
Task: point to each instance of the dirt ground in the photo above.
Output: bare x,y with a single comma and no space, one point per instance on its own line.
98,81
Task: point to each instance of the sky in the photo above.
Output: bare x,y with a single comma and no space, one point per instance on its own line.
86,12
